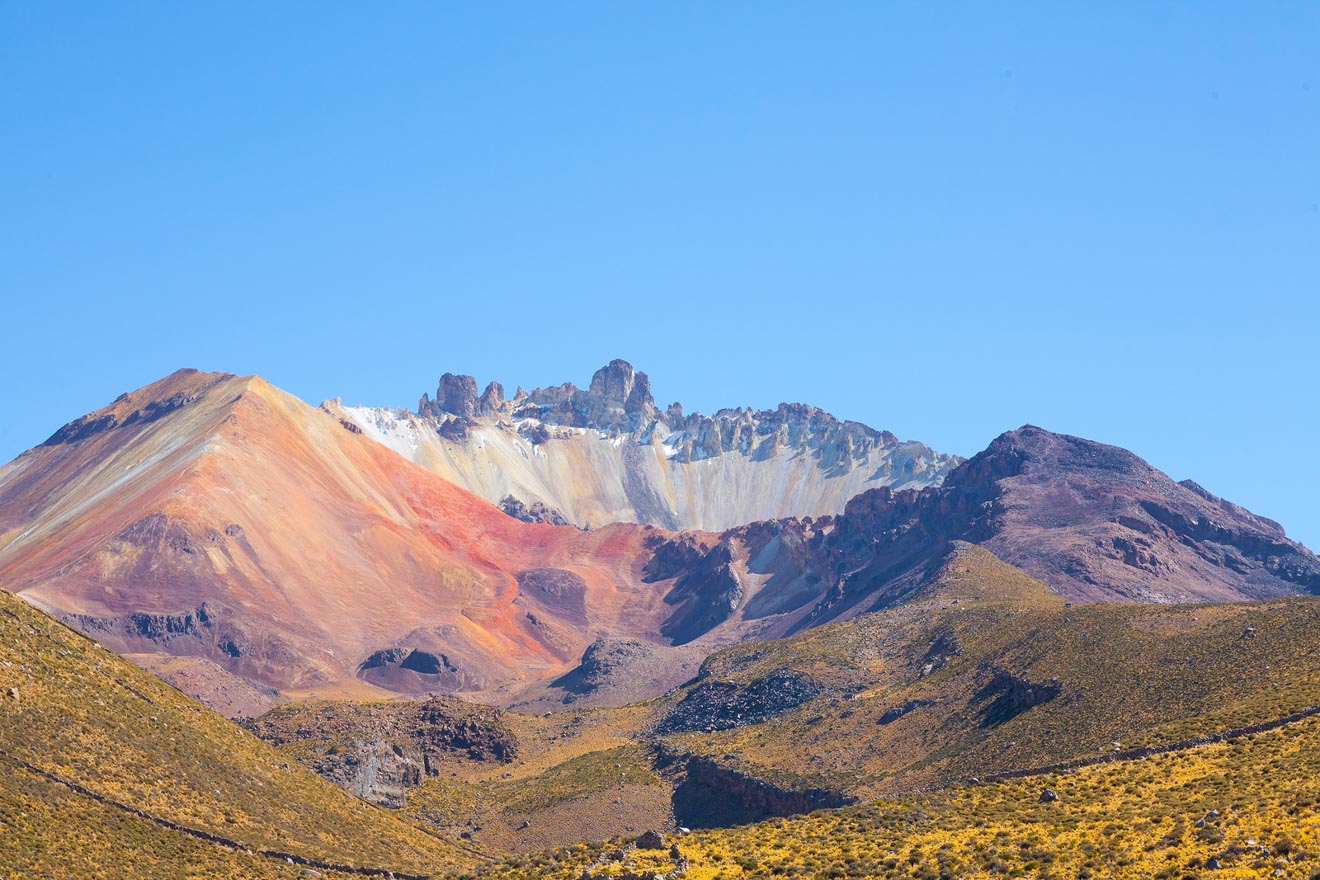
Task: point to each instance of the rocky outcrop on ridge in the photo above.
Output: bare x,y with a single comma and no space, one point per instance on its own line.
536,512
722,705
379,750
619,400
607,452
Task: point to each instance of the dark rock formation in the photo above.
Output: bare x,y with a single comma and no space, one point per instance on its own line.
456,395
129,409
1011,695
605,662
538,512
650,840
455,429
491,401
712,795
892,714
207,631
722,705
536,433
427,663
385,657
619,398
707,593
424,670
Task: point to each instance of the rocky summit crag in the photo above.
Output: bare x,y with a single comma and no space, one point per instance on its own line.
608,453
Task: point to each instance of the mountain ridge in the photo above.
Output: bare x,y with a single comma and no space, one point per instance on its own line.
608,453
216,517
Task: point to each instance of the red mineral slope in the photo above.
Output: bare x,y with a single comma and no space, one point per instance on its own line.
217,516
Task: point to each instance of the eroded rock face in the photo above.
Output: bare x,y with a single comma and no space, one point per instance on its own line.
536,512
707,594
1011,695
386,666
456,395
491,401
380,750
715,796
607,453
207,632
135,408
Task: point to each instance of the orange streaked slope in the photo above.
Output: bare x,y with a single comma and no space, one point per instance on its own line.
218,516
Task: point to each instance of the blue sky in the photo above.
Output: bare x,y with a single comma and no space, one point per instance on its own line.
945,220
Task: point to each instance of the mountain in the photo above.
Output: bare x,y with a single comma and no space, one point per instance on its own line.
607,453
110,772
216,516
274,545
255,549
1093,522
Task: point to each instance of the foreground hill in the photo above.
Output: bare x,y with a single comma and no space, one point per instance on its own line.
1238,809
110,772
984,669
607,453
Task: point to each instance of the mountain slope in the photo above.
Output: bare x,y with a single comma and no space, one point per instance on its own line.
609,454
137,748
985,669
1095,522
218,517
1239,809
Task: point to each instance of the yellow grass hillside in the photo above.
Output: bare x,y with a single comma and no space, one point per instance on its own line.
139,755
985,669
1244,808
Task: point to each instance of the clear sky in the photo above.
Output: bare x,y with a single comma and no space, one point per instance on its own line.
942,219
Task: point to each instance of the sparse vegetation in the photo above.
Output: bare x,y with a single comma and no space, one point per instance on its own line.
1248,806
1131,674
79,712
906,701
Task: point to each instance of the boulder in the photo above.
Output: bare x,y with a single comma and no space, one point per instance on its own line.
651,840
